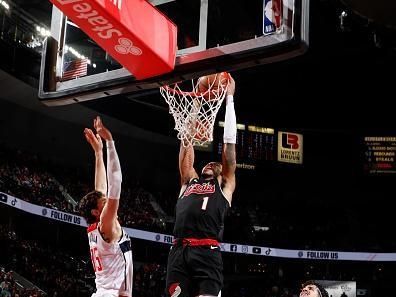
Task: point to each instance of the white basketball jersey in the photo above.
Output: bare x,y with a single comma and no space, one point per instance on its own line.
112,263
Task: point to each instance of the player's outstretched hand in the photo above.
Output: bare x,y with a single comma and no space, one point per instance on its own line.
102,130
231,86
94,140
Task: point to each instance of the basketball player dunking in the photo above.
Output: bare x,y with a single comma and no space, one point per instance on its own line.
109,244
195,266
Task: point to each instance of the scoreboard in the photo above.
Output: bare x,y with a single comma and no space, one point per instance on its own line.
254,144
380,154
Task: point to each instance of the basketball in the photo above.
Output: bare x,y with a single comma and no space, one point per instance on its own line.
212,82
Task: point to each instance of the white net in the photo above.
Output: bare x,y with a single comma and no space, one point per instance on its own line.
195,112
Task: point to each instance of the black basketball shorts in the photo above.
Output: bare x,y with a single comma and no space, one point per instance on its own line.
194,270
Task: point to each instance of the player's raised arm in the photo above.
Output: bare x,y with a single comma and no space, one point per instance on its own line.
229,141
186,164
109,245
109,224
100,172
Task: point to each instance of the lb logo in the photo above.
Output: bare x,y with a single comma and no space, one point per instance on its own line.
290,141
125,47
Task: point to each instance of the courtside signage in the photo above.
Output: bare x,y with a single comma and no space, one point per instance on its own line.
236,248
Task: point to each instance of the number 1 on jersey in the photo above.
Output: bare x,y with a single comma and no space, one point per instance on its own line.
204,203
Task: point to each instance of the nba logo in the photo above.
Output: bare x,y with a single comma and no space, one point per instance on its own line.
272,16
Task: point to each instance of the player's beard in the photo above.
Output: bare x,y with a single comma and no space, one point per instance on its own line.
205,175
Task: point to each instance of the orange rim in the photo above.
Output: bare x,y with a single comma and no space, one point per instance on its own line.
194,94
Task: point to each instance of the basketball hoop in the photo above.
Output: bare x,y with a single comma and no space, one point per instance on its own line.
195,112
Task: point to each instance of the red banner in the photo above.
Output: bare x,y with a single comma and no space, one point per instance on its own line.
133,32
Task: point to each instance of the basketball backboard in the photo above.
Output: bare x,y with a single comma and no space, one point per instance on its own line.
213,36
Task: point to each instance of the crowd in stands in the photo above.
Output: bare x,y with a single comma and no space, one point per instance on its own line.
149,280
52,270
40,182
274,220
58,273
23,176
136,210
10,288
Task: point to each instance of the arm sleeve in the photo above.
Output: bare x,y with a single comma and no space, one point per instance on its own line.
230,125
114,175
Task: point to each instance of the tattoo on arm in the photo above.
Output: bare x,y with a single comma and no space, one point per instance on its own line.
186,163
229,156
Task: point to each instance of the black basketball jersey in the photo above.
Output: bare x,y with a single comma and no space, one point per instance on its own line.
200,210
